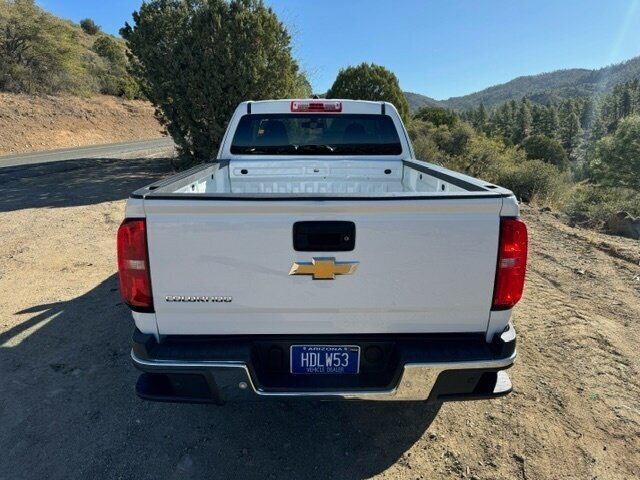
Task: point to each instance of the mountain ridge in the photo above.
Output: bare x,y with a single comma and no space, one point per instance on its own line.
539,88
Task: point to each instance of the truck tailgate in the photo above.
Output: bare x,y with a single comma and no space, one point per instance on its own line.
425,265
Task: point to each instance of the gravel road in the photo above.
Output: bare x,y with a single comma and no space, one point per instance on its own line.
68,410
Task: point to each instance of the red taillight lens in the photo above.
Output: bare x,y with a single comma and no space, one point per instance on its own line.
133,265
512,264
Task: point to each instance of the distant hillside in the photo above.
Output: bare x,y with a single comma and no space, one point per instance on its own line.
552,86
417,101
44,54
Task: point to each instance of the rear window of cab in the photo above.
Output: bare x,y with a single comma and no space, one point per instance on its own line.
316,134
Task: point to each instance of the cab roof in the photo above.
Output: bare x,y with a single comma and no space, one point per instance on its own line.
345,106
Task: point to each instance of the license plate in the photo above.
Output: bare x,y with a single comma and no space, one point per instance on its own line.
336,359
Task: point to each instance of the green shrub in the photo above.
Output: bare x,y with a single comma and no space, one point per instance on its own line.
424,144
485,158
109,49
130,88
459,148
534,181
89,26
454,140
539,147
426,149
111,71
592,205
448,141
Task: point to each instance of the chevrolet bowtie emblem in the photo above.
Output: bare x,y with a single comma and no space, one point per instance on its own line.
323,268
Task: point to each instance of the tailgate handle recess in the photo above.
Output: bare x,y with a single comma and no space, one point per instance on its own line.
321,236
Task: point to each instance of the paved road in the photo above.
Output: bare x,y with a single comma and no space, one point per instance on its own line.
93,151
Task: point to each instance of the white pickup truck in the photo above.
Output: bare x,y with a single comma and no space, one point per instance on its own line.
316,257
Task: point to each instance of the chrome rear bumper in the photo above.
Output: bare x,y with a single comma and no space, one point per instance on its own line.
207,381
234,382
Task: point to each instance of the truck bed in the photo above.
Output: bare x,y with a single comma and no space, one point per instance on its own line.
429,237
321,177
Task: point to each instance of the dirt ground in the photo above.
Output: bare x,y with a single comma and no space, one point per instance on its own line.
33,123
68,410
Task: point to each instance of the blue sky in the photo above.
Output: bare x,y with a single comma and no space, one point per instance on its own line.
437,48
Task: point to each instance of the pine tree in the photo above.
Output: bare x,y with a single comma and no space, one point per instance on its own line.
598,126
588,114
626,102
552,122
481,119
570,130
503,122
537,115
523,120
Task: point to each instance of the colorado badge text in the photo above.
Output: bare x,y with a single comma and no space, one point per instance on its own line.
197,298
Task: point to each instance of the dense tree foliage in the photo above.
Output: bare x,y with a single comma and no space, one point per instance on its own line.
460,148
38,53
577,123
42,54
436,115
198,59
579,154
540,147
113,76
596,139
368,81
617,158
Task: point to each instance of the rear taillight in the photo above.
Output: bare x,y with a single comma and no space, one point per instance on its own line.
512,264
133,265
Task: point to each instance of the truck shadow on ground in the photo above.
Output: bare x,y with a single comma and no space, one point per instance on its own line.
68,410
77,182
